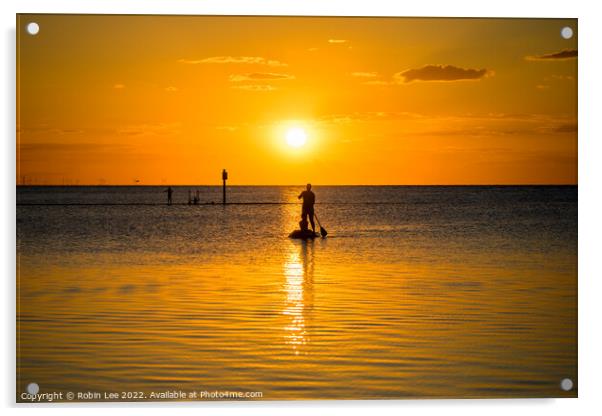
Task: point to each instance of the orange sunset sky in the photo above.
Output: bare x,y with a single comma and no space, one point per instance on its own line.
173,100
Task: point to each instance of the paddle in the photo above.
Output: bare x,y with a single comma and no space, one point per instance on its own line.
323,231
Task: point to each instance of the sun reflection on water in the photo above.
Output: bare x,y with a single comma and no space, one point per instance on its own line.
298,287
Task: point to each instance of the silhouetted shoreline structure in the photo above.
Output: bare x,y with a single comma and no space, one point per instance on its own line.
224,179
196,200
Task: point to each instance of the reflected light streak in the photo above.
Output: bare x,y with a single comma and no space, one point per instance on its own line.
298,273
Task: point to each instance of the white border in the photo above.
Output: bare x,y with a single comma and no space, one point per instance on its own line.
590,183
507,8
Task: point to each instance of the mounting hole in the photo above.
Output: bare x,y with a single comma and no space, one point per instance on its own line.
33,388
566,32
566,384
33,28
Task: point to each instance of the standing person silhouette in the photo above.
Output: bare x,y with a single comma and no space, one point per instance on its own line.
169,193
307,210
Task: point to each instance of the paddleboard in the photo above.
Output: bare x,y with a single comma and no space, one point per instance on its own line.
303,235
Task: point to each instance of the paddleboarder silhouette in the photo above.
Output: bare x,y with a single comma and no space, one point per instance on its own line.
307,209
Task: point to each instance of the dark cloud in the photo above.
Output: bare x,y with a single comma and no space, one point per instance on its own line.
567,128
560,128
441,73
565,54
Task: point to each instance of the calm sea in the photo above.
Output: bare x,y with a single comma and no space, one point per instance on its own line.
416,292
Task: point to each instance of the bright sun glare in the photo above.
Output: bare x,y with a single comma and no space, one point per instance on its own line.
296,137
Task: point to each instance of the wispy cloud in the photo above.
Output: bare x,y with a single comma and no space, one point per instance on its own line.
562,55
158,129
369,116
259,76
67,152
378,82
567,128
559,128
360,74
337,40
255,87
66,147
119,86
441,73
559,78
372,78
467,124
249,60
50,131
227,128
63,155
171,89
56,131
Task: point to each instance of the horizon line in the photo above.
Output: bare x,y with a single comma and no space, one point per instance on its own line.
302,185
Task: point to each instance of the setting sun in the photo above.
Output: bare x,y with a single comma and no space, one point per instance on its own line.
296,137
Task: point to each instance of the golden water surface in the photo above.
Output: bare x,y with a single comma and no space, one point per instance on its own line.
352,316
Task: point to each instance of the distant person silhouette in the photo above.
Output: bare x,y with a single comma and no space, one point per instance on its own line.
307,210
169,193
